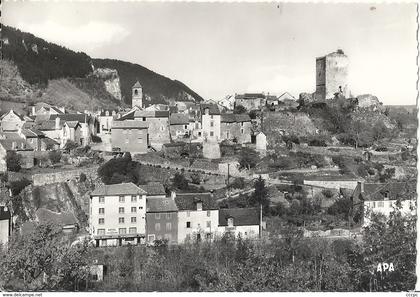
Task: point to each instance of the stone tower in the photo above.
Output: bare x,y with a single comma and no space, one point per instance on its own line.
331,75
137,95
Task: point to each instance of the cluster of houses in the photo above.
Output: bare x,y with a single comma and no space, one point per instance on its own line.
122,214
46,128
141,127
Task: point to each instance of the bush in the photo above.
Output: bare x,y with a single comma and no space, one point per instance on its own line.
70,146
238,183
13,161
180,182
196,178
317,142
239,109
54,156
17,186
96,139
248,158
82,177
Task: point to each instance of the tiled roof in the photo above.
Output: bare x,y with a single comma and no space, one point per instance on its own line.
188,201
4,214
11,135
213,109
57,110
46,125
137,85
48,141
72,124
103,112
179,119
395,190
286,95
32,133
250,96
20,145
72,117
118,189
153,189
15,113
160,205
231,118
241,216
151,114
129,124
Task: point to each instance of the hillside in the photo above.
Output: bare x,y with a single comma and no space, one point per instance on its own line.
31,64
158,88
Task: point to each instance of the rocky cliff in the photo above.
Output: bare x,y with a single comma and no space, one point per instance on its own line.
111,80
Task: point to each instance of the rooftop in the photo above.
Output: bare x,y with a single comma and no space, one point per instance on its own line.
137,85
129,124
160,205
213,109
394,190
153,189
118,189
232,118
241,216
4,214
188,201
179,119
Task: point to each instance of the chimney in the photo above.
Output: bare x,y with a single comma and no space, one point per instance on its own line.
173,195
33,110
57,123
362,186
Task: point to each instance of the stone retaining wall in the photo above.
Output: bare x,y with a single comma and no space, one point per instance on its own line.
40,179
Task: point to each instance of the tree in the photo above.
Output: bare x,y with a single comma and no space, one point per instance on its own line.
13,161
196,178
180,182
70,146
119,170
248,158
43,260
54,156
239,109
260,196
379,131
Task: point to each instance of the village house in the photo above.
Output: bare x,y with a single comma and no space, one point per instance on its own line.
105,119
34,138
5,225
271,100
243,222
51,129
236,127
88,125
12,121
250,101
118,214
383,198
210,121
286,96
161,220
42,108
21,147
154,190
198,216
130,136
72,131
179,125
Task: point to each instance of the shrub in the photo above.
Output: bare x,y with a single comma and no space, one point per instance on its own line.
82,177
196,178
238,183
54,156
239,109
13,161
17,186
248,158
96,139
70,146
317,142
180,182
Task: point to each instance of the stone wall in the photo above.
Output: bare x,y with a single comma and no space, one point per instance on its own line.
332,184
63,176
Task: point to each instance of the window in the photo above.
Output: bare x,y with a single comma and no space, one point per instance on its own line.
211,133
208,224
242,131
211,124
227,134
101,210
101,221
230,222
386,195
157,226
208,213
211,116
188,237
122,231
121,220
199,206
157,216
101,199
133,209
168,237
185,127
168,226
101,231
380,204
121,210
127,141
144,119
188,224
162,128
132,230
168,216
133,219
151,237
134,198
129,132
122,199
374,205
139,140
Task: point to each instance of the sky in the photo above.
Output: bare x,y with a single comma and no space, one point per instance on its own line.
220,49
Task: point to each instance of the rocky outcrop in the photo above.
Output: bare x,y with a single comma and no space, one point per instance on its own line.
111,81
368,101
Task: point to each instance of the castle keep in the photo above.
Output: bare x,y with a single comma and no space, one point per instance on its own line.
331,75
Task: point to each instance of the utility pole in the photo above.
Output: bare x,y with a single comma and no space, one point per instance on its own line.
260,221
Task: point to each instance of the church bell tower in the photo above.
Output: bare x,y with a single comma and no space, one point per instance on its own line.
137,95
